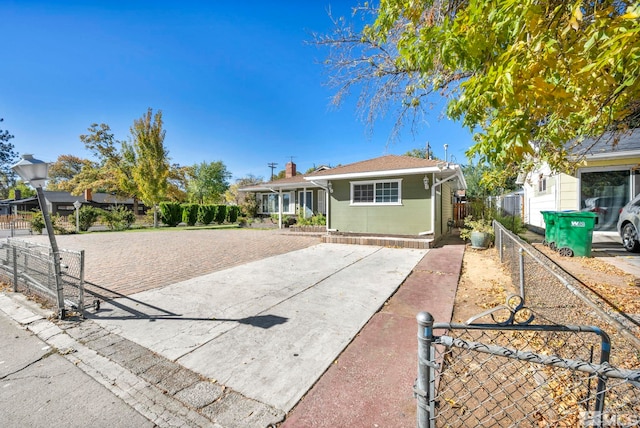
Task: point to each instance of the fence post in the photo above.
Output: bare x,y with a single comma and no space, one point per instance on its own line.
501,249
521,265
81,285
421,388
12,229
15,268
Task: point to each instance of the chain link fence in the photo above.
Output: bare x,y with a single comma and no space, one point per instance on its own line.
29,268
552,355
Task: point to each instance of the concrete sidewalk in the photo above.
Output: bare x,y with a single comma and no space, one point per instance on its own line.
239,347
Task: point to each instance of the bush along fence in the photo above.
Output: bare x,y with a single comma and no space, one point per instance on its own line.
551,355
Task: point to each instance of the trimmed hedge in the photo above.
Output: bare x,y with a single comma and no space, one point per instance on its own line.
206,214
221,213
233,211
170,213
190,214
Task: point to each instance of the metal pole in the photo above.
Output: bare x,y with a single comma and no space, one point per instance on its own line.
54,250
81,285
15,268
421,388
521,253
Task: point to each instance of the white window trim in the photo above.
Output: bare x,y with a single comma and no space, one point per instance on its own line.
289,211
374,182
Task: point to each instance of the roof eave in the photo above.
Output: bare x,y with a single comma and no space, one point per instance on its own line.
378,173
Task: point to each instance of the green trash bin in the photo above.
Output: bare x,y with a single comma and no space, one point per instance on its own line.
575,232
550,228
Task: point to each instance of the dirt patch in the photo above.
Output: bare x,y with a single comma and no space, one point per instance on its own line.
484,283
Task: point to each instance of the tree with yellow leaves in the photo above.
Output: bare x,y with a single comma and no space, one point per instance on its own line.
531,78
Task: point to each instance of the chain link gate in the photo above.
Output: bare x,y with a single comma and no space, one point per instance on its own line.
521,375
29,266
530,365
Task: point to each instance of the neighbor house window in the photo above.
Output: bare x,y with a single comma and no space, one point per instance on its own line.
542,183
376,192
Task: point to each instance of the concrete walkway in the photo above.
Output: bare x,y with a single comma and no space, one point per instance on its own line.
370,384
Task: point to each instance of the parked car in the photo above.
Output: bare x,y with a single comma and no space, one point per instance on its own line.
629,224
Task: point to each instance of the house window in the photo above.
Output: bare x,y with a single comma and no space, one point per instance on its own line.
269,203
542,183
376,192
322,199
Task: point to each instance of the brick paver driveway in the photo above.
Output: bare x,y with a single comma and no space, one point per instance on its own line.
123,263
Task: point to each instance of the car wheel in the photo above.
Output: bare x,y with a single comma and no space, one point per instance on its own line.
630,238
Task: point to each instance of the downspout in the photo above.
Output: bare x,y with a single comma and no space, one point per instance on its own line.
327,190
280,209
433,203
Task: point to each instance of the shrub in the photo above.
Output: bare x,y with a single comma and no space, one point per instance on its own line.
221,213
60,224
37,222
319,220
88,215
190,213
206,214
316,220
479,225
512,223
249,206
170,213
233,211
119,218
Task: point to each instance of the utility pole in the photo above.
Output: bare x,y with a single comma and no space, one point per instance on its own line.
427,155
273,166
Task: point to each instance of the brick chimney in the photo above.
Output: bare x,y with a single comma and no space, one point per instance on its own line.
290,170
17,195
87,195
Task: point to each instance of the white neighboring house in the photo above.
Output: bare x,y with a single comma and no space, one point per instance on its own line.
608,180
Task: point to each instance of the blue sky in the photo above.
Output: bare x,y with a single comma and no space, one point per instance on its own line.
237,84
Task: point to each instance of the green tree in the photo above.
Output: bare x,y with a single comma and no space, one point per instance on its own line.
101,175
7,158
207,182
530,77
25,191
178,183
65,171
148,159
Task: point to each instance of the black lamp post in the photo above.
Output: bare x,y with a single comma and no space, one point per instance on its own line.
35,172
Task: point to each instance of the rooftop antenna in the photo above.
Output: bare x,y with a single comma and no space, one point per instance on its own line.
427,155
446,146
273,166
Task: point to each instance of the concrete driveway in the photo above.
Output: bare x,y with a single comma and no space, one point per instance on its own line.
267,329
261,312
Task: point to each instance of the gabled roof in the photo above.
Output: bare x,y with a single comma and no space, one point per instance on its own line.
383,163
389,165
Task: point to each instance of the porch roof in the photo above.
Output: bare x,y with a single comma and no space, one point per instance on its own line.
295,182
